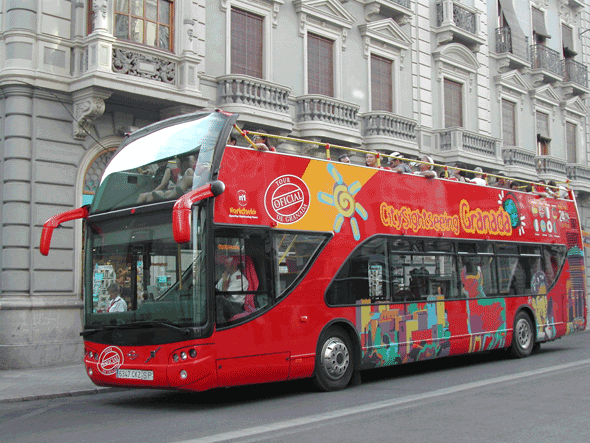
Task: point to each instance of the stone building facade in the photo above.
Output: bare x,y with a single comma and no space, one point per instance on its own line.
499,84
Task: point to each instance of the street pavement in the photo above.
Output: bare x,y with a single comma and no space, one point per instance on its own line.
50,382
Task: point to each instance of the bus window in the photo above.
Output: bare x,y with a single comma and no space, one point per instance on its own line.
292,254
364,276
478,276
553,258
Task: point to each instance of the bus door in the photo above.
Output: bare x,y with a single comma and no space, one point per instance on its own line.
249,349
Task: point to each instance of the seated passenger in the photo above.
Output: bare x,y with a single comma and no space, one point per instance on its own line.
183,184
458,173
478,177
426,168
164,180
397,165
262,143
502,181
232,280
344,158
117,304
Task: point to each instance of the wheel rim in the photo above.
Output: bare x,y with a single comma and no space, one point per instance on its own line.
523,333
335,358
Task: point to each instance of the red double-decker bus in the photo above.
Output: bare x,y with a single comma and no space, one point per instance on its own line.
209,265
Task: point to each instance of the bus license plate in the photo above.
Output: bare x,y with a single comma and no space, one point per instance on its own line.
135,374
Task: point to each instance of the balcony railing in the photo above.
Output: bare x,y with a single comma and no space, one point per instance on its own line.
518,158
250,91
462,17
578,173
404,3
378,123
575,72
462,140
328,110
513,44
546,59
550,165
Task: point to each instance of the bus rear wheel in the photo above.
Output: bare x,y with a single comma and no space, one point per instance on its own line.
334,363
523,339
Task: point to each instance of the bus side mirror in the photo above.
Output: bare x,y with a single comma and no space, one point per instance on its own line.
57,220
181,214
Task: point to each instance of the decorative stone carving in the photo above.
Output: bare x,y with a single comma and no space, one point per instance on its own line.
140,65
85,111
99,8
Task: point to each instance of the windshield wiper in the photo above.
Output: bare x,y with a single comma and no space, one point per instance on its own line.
185,331
86,332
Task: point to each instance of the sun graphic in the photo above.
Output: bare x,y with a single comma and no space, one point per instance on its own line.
342,199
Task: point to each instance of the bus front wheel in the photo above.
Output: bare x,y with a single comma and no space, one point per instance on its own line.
334,363
523,339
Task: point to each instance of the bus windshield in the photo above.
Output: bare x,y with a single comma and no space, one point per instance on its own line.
161,164
137,274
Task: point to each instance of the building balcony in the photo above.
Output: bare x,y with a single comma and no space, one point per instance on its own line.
575,78
550,168
257,101
326,118
546,65
456,22
519,163
459,145
389,132
511,50
579,176
399,10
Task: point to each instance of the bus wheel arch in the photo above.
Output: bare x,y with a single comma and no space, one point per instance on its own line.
336,360
523,334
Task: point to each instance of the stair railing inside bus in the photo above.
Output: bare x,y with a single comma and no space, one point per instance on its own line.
181,214
57,220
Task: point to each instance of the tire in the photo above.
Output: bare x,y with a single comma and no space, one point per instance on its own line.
334,361
523,339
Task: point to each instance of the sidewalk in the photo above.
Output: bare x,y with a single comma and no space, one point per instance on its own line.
41,383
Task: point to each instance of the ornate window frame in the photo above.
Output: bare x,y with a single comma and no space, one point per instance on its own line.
512,87
269,11
457,63
574,111
334,26
386,39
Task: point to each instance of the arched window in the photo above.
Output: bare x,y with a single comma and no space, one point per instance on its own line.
93,174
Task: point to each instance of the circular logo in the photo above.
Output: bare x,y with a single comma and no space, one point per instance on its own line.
110,360
286,199
242,198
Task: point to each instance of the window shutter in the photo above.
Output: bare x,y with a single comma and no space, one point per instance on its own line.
453,92
381,84
571,130
246,43
320,65
508,123
539,23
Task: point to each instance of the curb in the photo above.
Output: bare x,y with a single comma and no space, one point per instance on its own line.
78,393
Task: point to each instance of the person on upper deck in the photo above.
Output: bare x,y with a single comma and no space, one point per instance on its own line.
163,177
397,165
184,181
344,158
458,173
502,181
426,168
478,177
261,142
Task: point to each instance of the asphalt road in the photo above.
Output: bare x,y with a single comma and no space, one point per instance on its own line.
485,397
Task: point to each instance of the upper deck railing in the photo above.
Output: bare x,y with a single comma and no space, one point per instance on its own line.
444,170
